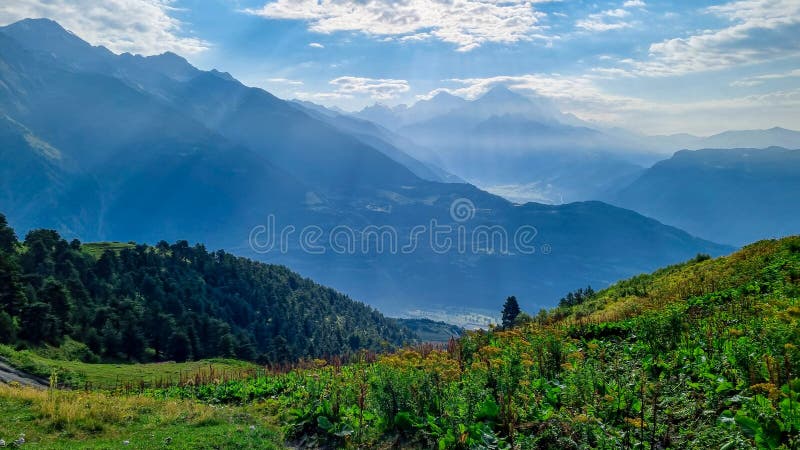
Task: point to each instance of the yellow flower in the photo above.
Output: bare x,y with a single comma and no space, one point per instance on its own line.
769,389
576,355
635,422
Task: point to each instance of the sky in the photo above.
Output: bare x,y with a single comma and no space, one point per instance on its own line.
655,67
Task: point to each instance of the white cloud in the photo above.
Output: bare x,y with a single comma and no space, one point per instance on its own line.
378,89
284,81
634,4
760,79
321,96
137,26
605,21
466,23
760,31
316,45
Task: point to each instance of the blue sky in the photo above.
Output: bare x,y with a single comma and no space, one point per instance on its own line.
655,67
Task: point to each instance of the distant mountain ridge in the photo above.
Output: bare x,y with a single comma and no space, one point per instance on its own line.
524,148
731,195
773,137
506,138
387,142
395,117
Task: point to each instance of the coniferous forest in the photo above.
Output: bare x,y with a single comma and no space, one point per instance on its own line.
138,303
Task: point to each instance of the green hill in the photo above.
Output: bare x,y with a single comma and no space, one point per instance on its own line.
137,303
698,355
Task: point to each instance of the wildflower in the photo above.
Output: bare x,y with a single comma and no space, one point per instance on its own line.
252,427
769,389
126,442
2,443
576,355
637,422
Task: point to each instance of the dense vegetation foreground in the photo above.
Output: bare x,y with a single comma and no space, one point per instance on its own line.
699,355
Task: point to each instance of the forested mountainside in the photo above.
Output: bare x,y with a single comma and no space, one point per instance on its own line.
149,303
697,355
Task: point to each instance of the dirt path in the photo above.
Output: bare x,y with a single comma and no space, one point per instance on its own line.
9,374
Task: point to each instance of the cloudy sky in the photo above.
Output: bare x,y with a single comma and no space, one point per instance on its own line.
653,66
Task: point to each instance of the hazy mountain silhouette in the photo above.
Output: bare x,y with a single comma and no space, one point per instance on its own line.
505,138
731,195
773,137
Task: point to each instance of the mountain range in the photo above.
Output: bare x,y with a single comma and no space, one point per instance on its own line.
518,146
101,146
523,148
734,196
773,137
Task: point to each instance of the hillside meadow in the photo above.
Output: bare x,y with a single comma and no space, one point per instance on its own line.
698,355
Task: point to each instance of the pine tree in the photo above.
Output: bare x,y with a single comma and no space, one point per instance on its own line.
179,347
8,239
510,312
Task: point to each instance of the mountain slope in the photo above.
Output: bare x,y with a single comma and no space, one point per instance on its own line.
180,302
701,354
734,196
379,138
313,151
130,155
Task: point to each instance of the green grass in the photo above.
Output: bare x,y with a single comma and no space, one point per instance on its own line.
75,419
97,249
78,374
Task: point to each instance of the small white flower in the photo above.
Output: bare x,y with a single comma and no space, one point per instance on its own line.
252,427
126,442
2,443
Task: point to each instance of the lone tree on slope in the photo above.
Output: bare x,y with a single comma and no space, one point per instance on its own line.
510,311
